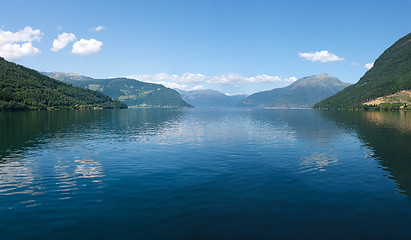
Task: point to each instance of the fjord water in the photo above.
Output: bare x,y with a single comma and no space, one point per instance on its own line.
205,174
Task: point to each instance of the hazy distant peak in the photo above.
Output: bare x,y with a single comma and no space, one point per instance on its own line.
67,76
207,91
321,76
210,98
303,93
322,79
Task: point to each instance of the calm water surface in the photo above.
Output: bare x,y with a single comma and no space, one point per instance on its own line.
205,174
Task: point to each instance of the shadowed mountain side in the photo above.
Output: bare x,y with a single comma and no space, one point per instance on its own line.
25,130
303,93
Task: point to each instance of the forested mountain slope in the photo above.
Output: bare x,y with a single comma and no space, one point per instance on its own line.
390,74
22,88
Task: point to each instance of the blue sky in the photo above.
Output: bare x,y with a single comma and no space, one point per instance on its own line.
232,46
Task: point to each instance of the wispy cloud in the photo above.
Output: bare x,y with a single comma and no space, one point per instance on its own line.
320,56
62,41
354,64
369,65
97,29
86,47
14,45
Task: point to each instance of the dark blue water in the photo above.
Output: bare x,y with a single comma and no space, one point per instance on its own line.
205,174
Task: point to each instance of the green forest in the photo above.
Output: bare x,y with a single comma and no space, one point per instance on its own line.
391,73
22,88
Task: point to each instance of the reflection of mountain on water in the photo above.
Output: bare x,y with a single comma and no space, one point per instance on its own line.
399,120
21,131
46,133
388,134
139,123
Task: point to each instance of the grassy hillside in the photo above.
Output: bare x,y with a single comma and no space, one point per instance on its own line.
22,88
135,93
303,93
391,73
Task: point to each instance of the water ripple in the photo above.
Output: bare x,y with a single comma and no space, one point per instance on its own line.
188,174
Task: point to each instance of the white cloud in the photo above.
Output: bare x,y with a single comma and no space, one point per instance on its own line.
169,84
97,29
238,79
26,35
322,56
369,65
62,41
291,79
229,78
155,78
186,80
168,80
14,45
198,87
354,64
16,51
86,47
192,77
233,94
269,79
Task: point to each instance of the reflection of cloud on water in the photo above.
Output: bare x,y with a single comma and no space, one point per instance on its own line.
18,178
15,179
221,128
317,162
88,168
69,172
66,180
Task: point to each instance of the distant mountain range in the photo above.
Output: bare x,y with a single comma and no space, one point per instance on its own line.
209,98
387,83
22,88
130,91
303,93
390,74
